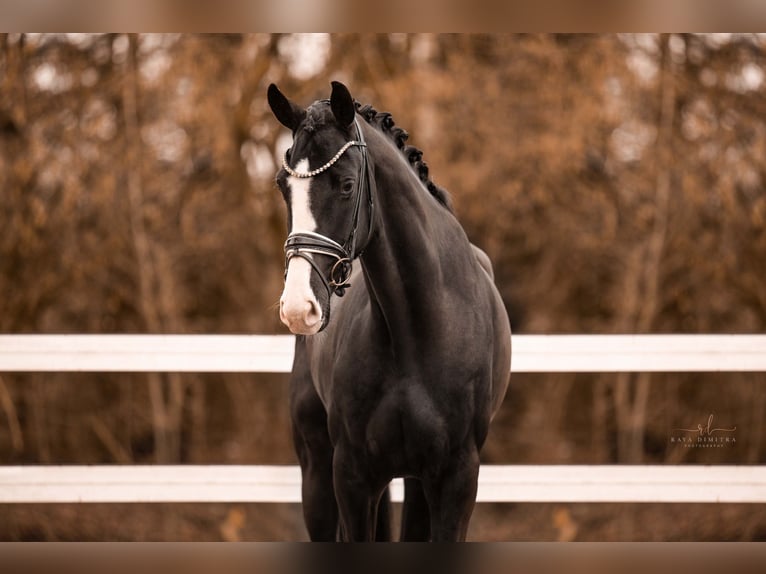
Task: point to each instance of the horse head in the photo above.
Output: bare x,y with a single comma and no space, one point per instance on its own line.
326,183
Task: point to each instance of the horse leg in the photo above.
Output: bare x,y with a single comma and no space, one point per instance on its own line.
320,511
315,453
383,529
451,496
357,501
416,520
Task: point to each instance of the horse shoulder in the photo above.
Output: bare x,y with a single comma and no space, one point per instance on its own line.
484,261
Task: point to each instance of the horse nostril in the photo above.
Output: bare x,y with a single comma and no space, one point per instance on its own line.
312,314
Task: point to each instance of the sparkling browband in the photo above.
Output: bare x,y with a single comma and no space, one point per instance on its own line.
325,167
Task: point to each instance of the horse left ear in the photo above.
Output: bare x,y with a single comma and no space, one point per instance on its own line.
342,104
288,114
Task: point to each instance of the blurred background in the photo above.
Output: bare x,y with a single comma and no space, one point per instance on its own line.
616,181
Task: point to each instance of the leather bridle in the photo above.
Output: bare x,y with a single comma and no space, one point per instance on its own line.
306,243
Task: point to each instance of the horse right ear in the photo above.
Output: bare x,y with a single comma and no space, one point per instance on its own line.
288,114
342,104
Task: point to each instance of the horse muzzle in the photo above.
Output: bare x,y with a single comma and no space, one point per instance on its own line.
299,309
302,318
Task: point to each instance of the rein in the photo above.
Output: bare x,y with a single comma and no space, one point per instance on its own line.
304,243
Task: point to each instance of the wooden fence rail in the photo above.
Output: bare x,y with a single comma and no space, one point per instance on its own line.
497,483
274,353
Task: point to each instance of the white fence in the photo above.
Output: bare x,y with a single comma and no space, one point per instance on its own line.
273,354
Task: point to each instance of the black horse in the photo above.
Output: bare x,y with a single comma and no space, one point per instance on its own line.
404,377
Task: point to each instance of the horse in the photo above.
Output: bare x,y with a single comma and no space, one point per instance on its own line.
401,361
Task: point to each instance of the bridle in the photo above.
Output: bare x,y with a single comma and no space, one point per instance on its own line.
304,243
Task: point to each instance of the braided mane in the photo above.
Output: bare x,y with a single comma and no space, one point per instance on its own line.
384,122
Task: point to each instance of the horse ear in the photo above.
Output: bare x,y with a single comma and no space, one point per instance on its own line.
288,114
342,104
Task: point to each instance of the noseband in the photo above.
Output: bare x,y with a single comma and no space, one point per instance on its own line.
304,243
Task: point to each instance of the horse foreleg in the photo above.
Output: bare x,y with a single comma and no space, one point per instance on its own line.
357,500
416,520
383,529
451,496
315,454
320,511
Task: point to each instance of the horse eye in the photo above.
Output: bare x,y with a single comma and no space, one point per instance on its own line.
347,187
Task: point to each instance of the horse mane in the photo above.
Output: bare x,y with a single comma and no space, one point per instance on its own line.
384,122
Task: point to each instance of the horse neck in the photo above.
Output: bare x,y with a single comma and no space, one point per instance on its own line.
417,244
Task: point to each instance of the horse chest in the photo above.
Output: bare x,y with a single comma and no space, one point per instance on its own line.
395,429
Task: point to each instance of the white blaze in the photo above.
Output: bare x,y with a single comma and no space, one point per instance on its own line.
303,220
297,297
